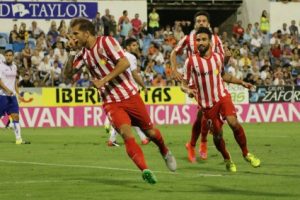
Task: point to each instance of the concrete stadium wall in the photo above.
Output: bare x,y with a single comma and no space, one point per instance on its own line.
284,13
279,12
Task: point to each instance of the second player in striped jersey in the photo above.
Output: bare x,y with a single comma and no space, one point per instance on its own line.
206,70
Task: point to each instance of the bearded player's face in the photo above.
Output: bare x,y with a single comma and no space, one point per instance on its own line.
203,43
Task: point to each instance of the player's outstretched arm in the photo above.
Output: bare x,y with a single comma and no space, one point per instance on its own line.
186,89
138,79
176,75
228,78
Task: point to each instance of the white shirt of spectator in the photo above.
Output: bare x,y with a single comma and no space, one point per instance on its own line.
56,72
8,75
133,64
256,42
2,58
158,57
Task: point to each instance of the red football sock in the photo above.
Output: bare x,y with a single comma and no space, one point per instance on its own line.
204,134
204,130
135,153
220,145
196,130
240,138
159,141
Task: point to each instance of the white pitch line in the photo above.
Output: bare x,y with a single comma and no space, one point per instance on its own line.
101,167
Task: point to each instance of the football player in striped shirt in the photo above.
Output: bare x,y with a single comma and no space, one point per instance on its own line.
107,64
201,19
206,71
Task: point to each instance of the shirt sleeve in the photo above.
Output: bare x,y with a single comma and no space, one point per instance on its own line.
220,48
113,49
132,61
78,61
181,44
187,71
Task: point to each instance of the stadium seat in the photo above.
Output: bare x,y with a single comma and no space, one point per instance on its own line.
8,46
3,40
31,43
18,46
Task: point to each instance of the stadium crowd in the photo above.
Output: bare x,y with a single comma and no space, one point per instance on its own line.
258,56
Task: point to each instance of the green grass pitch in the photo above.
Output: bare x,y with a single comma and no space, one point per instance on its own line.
76,163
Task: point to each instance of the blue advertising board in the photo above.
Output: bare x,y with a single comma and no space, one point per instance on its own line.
47,10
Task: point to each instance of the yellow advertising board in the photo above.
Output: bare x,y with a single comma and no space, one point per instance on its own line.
56,97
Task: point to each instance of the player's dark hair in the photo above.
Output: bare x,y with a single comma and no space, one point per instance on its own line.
84,25
204,30
129,41
203,13
8,50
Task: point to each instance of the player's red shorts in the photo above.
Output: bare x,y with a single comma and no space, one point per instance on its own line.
131,111
220,111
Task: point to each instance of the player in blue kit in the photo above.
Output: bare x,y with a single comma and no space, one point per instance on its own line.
8,93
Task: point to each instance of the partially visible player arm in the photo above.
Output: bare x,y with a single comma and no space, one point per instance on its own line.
228,78
186,80
121,66
17,88
138,79
74,62
5,89
116,54
180,46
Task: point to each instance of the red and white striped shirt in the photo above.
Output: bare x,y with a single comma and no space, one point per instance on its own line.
101,59
206,75
189,41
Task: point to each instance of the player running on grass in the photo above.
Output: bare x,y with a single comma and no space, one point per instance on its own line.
206,70
201,19
107,64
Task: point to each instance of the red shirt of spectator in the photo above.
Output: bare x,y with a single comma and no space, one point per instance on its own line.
136,25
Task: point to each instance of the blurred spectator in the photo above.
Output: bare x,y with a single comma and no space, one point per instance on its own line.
55,74
126,29
153,21
98,23
62,26
294,29
36,58
264,22
106,18
284,29
238,31
25,82
85,81
34,30
26,56
23,32
136,25
44,69
112,26
53,33
297,80
158,81
122,20
13,35
255,44
255,29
